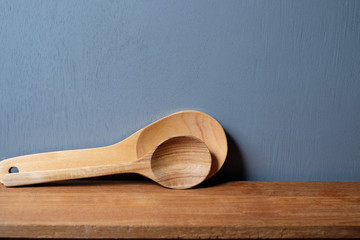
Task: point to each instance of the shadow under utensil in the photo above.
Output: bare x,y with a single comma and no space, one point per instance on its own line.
233,168
124,178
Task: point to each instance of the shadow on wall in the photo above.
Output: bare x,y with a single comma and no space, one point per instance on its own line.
233,168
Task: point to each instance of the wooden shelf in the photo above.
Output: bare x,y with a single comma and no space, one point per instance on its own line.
142,209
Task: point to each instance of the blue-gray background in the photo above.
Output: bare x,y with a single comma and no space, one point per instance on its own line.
282,77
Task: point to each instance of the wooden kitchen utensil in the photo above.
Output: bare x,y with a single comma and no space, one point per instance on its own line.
178,163
184,123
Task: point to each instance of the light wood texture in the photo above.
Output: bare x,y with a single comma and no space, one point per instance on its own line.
189,123
143,209
178,162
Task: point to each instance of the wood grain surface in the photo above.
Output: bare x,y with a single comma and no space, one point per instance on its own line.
142,209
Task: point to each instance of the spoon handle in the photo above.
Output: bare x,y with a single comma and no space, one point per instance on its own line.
67,159
28,178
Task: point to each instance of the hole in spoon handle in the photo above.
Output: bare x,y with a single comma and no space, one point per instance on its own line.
13,170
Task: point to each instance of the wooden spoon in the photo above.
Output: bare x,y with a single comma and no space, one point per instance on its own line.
185,123
178,163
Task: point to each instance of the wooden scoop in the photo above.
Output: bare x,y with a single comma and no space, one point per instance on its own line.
178,163
185,123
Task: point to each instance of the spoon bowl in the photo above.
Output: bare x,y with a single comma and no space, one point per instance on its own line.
179,163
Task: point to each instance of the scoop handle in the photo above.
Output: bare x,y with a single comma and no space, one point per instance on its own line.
112,154
53,160
28,178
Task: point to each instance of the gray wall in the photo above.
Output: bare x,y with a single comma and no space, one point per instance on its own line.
282,77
